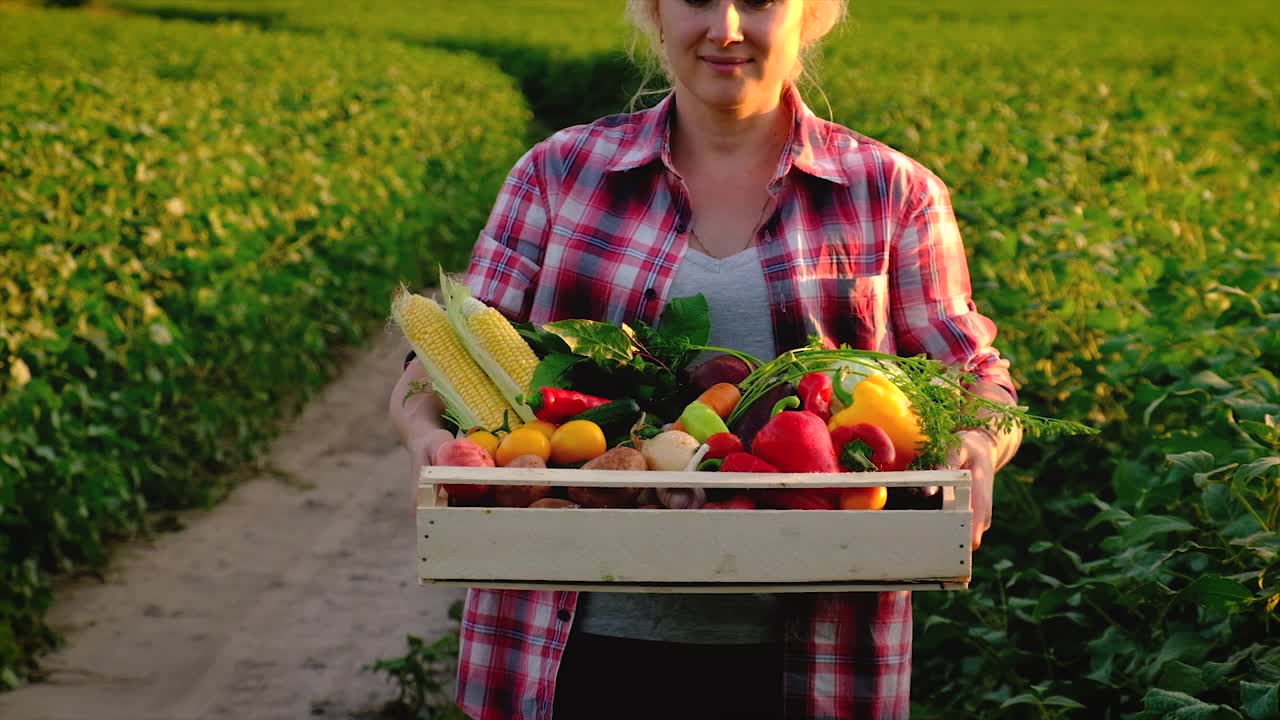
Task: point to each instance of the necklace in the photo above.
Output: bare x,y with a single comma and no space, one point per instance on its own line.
751,239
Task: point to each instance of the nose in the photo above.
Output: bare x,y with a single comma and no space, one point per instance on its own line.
726,24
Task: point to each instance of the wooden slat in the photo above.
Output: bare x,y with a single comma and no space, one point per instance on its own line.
618,478
713,588
660,546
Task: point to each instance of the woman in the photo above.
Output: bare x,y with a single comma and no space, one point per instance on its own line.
733,188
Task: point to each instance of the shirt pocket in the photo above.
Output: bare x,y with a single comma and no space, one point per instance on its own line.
868,309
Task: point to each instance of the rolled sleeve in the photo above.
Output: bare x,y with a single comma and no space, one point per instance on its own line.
508,254
932,308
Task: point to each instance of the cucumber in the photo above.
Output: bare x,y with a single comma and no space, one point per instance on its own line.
615,419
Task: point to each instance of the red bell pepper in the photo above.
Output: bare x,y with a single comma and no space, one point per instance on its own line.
807,499
863,447
796,441
815,394
745,462
557,405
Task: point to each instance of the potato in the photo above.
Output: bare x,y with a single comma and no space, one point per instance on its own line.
462,453
596,497
522,495
619,458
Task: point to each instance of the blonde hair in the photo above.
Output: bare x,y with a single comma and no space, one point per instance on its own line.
820,17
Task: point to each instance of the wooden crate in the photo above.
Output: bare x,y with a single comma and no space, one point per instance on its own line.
693,551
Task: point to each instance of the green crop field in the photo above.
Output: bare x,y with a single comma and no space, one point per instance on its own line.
1113,167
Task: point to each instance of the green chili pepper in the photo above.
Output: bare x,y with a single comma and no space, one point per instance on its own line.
701,421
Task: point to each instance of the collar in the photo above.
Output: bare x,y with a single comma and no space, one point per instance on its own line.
812,148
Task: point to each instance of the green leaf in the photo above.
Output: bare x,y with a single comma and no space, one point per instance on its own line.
1195,461
543,343
604,343
1266,434
1265,544
1022,699
1217,592
1165,701
1159,703
553,371
1186,646
1181,677
688,318
1261,702
1063,702
1149,526
1256,469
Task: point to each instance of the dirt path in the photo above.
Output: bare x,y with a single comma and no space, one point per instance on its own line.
268,605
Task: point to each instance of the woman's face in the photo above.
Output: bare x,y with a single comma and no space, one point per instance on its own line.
732,53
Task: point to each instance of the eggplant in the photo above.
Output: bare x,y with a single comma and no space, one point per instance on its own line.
759,413
914,498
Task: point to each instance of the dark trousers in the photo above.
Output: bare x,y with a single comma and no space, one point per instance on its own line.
606,678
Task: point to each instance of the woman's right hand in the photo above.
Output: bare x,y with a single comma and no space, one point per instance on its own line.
416,418
422,448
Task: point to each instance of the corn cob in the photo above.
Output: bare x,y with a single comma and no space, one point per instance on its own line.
493,342
470,397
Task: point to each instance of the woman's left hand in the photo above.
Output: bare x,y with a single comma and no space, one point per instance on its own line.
977,454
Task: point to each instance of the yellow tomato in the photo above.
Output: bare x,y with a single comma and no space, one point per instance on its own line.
542,426
577,441
523,441
486,440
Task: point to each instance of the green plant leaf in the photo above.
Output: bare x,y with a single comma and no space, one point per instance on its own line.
602,342
1021,699
1261,702
688,318
1217,592
1181,677
1062,702
1147,527
1256,469
1194,461
553,371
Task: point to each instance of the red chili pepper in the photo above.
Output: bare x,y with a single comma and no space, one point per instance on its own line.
746,462
556,405
720,445
815,394
863,447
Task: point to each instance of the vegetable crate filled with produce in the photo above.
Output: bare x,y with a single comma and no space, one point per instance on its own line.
589,455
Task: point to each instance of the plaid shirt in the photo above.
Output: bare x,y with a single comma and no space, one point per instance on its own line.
862,248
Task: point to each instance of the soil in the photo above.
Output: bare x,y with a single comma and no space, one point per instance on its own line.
269,604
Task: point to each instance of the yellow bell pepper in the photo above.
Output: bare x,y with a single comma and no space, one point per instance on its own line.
877,401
